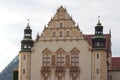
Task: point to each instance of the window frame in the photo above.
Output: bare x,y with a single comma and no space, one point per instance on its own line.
46,60
68,33
61,33
61,25
75,59
60,58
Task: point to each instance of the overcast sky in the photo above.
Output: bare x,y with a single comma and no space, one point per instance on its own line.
14,15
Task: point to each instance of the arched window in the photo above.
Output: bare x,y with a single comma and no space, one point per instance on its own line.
27,34
25,45
60,59
61,25
74,57
61,34
29,46
54,34
67,33
46,59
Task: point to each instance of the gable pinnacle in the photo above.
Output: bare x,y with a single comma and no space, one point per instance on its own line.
61,14
61,8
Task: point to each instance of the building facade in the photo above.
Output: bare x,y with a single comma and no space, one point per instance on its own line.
63,52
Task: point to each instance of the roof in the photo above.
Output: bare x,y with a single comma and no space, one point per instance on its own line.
108,40
115,63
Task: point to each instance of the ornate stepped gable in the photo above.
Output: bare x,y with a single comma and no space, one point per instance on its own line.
61,27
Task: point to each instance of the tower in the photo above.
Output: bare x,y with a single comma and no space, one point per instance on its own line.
99,54
25,54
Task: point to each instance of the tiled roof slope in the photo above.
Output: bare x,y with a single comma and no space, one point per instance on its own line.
115,63
108,40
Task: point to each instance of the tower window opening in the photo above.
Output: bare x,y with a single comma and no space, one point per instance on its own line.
102,44
98,31
29,46
24,57
27,34
98,44
25,46
97,56
23,71
97,71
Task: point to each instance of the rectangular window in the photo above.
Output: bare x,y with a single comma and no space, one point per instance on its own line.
61,25
54,34
61,34
67,33
46,59
74,59
97,55
60,60
23,71
24,57
97,71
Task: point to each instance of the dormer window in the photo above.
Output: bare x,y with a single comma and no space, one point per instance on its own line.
61,25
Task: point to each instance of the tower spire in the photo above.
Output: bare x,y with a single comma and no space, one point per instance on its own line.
98,39
27,41
98,21
28,23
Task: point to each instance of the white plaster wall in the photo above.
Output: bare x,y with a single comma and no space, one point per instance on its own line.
84,57
115,75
